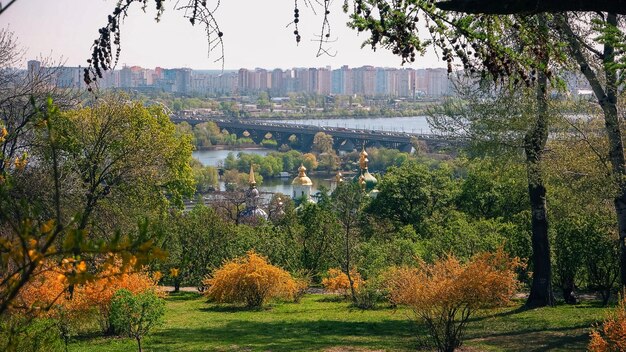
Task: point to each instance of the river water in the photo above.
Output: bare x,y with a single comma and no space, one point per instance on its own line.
416,124
274,185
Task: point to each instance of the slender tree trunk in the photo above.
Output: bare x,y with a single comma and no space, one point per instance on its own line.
350,279
534,146
607,98
616,147
138,343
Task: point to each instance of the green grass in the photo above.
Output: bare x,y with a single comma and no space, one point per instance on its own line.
320,323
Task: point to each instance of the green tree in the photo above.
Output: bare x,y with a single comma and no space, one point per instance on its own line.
348,201
206,177
197,243
318,238
411,193
322,143
493,189
136,315
127,156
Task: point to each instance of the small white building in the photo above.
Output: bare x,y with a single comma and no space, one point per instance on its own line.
301,186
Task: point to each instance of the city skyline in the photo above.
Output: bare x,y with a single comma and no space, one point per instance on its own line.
365,80
256,37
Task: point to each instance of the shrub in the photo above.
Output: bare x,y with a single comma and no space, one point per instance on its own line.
47,298
302,284
135,314
99,293
46,294
446,293
337,281
25,334
250,280
368,295
611,337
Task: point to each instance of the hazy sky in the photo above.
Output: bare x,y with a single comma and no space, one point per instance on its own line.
255,35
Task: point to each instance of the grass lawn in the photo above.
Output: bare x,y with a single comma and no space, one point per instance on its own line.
320,323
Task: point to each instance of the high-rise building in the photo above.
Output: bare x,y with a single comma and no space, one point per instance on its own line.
278,83
324,81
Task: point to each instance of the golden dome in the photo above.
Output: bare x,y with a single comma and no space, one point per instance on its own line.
363,160
302,179
251,179
339,177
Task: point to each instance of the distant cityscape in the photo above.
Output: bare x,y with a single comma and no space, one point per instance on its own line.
365,80
430,83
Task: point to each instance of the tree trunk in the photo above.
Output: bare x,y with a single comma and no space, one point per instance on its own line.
534,146
568,291
607,98
350,279
138,343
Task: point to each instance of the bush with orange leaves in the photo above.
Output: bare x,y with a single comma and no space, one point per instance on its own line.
611,337
48,293
250,280
446,293
337,281
99,293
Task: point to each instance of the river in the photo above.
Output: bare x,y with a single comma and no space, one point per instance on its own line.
283,185
416,124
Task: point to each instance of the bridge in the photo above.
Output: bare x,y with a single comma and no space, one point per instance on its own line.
344,139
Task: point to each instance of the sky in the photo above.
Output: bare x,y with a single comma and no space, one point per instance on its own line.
255,35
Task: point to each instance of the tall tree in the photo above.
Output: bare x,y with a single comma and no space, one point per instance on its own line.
510,50
596,42
348,199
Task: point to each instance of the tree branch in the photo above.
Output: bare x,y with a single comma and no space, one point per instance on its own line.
508,7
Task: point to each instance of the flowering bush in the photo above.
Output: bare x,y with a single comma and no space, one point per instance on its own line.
611,337
446,293
337,281
48,292
99,293
250,280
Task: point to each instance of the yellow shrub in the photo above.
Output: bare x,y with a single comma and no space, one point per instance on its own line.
337,281
612,335
250,280
446,293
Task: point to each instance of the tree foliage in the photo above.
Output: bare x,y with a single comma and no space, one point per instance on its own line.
136,314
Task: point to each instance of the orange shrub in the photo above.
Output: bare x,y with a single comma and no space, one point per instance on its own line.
99,293
250,280
611,337
47,294
446,293
47,289
337,281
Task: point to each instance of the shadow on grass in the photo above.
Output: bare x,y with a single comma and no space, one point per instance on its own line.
506,313
182,296
332,298
543,339
228,308
296,336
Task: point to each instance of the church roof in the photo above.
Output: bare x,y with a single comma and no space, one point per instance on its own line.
302,179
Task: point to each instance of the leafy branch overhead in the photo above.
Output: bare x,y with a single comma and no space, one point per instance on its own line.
499,47
106,49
